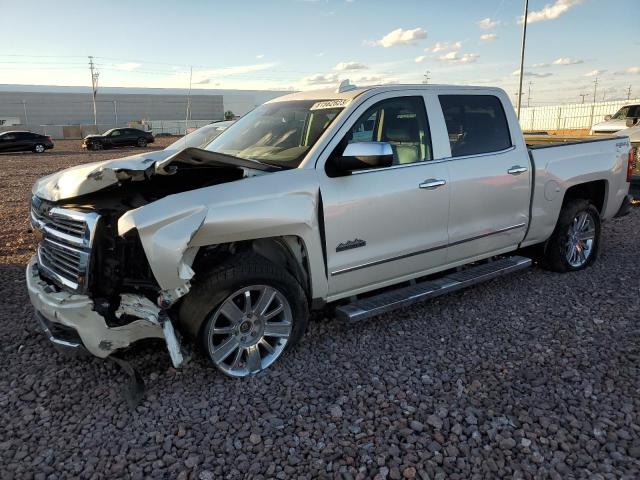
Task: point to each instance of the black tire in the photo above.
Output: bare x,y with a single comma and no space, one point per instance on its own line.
555,256
39,148
215,286
142,142
95,146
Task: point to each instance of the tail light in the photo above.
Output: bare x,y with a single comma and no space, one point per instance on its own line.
631,163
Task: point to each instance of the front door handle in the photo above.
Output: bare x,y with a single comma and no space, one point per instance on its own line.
517,170
432,183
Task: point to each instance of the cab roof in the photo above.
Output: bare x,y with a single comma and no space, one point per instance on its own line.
354,91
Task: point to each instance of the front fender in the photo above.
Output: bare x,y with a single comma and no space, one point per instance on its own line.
271,205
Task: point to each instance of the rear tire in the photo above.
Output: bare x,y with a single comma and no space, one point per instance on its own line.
142,142
575,241
39,148
242,337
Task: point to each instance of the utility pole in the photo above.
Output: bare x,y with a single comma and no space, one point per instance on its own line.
188,116
529,94
593,104
24,107
583,95
629,93
94,88
524,39
427,77
115,112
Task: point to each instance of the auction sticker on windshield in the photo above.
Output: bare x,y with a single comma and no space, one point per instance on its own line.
337,103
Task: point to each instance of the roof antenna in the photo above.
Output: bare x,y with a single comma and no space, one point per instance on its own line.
345,86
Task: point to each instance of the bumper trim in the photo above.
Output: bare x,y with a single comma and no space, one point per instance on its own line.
66,345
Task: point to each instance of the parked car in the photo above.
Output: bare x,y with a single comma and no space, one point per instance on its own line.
23,141
626,117
118,137
368,199
201,136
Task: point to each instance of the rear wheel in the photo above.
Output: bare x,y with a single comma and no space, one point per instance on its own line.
247,312
575,241
142,142
39,148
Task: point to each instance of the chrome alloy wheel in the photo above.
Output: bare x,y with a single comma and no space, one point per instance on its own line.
39,148
249,330
580,239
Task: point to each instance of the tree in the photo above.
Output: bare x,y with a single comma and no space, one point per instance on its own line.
229,115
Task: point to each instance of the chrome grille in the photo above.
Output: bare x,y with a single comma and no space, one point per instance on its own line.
64,251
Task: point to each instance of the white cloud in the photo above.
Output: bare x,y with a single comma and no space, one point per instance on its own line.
540,65
236,70
488,37
320,54
551,11
532,74
400,36
129,66
594,73
567,61
444,46
487,23
260,56
371,80
320,79
629,71
455,57
420,59
350,66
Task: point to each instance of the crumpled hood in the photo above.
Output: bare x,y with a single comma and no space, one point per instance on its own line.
92,177
93,135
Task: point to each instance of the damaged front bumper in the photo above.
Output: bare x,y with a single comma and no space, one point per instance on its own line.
70,321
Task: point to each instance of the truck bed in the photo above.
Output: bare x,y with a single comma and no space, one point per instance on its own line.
546,141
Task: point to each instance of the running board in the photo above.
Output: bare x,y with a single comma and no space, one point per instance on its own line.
405,296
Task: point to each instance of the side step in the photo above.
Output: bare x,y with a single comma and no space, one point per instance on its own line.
405,296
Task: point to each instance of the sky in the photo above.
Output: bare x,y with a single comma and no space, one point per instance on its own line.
308,44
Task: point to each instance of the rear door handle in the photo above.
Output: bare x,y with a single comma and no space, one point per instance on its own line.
517,170
432,183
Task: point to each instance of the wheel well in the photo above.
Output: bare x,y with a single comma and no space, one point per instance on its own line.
288,252
592,191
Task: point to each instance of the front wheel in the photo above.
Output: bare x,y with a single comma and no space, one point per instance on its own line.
95,146
142,142
575,241
38,148
247,313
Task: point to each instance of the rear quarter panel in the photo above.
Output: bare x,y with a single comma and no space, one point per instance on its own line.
560,167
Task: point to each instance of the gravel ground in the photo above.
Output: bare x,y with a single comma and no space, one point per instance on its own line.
530,376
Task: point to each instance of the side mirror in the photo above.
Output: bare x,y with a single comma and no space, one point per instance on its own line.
365,155
607,118
632,121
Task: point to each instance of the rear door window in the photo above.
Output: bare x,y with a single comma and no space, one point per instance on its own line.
476,124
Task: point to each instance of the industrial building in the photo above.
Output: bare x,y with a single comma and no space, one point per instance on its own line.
37,107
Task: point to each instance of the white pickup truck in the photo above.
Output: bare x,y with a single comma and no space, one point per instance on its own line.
366,198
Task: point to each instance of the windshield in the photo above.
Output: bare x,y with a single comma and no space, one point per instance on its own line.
630,111
200,137
278,133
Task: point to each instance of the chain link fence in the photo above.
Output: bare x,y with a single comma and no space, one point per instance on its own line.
562,118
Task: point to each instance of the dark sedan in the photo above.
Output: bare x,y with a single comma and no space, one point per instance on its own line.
18,141
118,137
